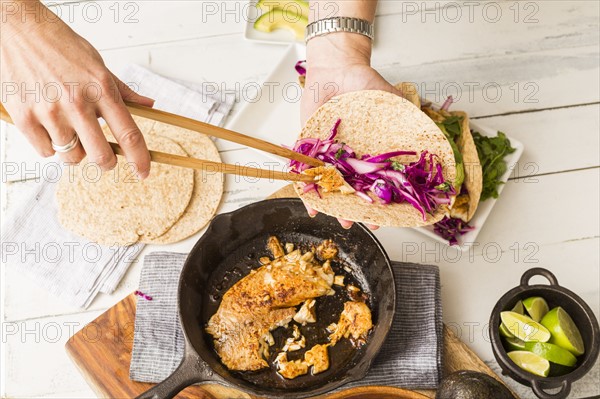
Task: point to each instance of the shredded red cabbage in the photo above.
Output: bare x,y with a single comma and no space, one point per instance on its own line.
420,183
142,295
447,103
300,68
451,228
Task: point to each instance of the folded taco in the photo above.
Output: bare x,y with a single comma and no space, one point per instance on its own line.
468,183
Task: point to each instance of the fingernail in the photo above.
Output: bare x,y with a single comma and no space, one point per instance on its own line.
346,224
143,175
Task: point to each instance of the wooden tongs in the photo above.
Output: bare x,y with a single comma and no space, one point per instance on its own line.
215,131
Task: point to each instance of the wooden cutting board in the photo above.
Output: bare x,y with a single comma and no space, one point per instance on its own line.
102,353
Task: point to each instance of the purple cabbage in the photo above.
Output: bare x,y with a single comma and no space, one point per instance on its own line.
451,228
420,183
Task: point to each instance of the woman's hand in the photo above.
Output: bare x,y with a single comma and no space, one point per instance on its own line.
336,64
55,85
337,71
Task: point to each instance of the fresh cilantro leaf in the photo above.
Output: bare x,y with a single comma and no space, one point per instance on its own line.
445,187
491,151
339,153
397,166
452,127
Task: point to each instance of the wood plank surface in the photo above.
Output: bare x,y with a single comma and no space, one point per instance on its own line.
551,59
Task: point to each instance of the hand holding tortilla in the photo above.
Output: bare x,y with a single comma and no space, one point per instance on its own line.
471,185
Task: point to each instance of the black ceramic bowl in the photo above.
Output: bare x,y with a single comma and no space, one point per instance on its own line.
579,311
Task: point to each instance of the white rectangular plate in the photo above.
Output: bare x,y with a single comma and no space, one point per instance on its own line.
276,118
280,36
485,207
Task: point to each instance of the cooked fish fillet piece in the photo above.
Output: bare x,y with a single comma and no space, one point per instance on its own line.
261,302
306,314
460,209
355,321
317,357
329,178
275,247
290,369
327,250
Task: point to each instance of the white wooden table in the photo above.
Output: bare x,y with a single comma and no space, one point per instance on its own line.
530,69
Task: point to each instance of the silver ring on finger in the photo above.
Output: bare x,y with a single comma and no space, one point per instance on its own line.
67,147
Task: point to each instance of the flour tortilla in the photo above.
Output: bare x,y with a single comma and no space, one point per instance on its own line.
118,208
409,91
208,186
375,122
473,173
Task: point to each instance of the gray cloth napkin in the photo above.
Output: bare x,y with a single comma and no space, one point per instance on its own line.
69,266
410,358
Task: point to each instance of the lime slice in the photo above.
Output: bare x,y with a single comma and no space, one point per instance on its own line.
552,353
537,307
504,331
564,331
515,344
519,308
530,362
524,327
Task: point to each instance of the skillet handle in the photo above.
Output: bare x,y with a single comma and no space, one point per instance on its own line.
191,370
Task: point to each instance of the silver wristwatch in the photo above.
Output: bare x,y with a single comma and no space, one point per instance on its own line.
339,24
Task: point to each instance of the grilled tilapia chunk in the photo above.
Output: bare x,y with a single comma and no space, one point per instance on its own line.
261,302
355,323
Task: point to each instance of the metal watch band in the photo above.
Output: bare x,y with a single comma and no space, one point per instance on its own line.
339,24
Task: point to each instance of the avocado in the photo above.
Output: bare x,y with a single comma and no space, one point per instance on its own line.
466,384
291,6
460,167
279,19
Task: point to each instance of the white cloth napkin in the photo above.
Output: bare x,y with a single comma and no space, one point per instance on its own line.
69,266
200,101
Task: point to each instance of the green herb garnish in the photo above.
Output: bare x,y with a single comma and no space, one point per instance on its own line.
397,166
452,129
451,126
491,151
339,153
445,187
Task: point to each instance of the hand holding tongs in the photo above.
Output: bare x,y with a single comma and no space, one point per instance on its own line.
215,131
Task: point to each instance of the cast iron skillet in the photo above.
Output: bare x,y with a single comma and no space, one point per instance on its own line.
228,250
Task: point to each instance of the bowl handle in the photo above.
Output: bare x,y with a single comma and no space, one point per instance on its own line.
565,389
538,271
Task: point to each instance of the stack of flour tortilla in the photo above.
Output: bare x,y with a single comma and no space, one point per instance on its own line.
117,208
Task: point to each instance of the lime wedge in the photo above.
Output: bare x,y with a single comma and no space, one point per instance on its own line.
536,307
552,353
515,344
524,327
564,331
519,308
530,362
504,331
